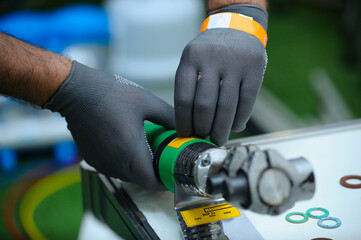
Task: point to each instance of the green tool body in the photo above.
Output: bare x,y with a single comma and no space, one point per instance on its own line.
167,147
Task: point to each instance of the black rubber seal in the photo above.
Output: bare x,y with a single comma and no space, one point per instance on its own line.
159,152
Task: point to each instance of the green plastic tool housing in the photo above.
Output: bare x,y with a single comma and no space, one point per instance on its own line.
156,135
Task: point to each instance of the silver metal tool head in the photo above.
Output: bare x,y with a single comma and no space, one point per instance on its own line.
276,183
262,181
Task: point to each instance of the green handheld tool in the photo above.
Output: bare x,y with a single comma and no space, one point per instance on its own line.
167,148
260,180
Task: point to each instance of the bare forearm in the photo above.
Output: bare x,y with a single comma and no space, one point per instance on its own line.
28,72
215,4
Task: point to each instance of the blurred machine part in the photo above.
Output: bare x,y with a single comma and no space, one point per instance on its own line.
24,126
57,29
90,54
332,107
148,37
270,114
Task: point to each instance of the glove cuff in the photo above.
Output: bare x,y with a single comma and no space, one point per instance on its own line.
258,13
82,90
236,21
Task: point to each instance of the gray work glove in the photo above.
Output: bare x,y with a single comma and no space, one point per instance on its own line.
218,79
105,114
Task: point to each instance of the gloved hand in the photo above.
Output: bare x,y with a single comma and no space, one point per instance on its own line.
105,114
218,79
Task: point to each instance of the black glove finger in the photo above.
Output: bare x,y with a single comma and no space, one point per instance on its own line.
184,92
205,103
226,111
248,94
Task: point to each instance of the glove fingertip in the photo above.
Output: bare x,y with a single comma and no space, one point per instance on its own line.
182,134
169,122
182,130
219,141
161,113
238,127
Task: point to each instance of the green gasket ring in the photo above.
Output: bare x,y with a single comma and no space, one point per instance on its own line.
326,212
297,221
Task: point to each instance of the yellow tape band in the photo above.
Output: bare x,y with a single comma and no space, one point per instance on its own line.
208,214
177,142
236,21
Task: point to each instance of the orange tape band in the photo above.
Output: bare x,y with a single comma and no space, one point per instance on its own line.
236,21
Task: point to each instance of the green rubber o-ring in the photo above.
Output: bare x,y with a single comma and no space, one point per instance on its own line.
288,217
326,212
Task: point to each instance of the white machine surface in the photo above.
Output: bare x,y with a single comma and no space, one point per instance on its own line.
334,152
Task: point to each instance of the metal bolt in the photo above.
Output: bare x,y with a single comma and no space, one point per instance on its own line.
205,162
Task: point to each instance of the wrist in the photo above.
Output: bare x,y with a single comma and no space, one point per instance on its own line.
61,69
28,72
82,90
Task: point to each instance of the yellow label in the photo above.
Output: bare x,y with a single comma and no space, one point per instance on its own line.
177,142
208,214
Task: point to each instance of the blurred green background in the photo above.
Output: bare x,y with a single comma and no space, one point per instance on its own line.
304,37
